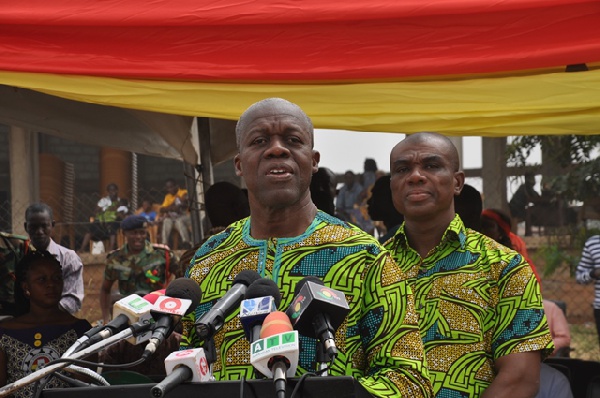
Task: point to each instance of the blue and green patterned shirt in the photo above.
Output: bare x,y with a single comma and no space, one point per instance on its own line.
477,301
379,341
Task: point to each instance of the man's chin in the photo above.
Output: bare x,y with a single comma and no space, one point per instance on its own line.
40,245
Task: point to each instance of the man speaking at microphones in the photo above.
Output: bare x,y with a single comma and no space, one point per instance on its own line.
285,239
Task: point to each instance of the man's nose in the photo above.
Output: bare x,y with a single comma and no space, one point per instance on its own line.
277,148
416,175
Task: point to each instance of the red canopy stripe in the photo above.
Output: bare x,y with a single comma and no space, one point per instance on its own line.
292,41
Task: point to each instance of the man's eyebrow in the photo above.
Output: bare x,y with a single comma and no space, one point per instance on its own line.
433,158
400,161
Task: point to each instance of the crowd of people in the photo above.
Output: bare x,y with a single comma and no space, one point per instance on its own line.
444,301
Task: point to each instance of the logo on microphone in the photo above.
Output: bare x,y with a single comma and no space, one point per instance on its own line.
171,305
203,366
257,306
285,345
327,293
296,306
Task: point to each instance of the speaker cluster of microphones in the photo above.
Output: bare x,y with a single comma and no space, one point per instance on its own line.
316,311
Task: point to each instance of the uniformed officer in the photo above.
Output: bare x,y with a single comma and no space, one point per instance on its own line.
139,266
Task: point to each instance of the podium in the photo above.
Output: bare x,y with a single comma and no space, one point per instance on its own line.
312,387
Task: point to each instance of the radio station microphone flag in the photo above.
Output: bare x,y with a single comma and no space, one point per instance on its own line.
182,296
317,311
276,353
127,311
183,366
261,298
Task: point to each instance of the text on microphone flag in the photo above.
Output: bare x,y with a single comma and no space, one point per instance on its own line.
136,303
279,345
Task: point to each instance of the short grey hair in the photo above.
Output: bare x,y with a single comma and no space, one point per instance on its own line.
241,124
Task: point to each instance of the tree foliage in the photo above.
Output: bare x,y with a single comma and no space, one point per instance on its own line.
577,157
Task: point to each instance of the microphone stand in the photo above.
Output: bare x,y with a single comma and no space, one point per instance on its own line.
322,359
133,330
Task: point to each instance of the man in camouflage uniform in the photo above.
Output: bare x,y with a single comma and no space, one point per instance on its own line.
12,250
139,266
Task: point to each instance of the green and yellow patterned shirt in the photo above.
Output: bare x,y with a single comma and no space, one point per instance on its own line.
379,341
143,272
477,301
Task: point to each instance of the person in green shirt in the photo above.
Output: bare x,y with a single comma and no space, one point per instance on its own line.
286,239
479,304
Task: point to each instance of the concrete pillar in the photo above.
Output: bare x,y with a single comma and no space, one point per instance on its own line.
24,174
493,172
115,167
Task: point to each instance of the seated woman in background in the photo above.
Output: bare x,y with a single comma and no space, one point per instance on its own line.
41,331
497,225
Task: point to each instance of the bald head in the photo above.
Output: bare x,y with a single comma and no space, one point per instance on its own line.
438,140
271,107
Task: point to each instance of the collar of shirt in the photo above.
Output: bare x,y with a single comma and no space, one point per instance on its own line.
455,231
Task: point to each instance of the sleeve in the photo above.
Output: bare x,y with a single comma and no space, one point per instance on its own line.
519,322
189,339
103,203
72,295
390,334
110,273
174,265
168,201
586,265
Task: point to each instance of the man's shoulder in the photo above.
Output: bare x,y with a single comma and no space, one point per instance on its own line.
117,255
161,249
338,229
69,254
14,239
593,240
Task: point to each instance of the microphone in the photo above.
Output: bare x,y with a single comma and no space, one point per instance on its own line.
276,353
261,298
181,297
213,320
183,366
127,311
317,311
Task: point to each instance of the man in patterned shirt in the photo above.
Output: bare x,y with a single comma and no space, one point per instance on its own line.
286,239
480,308
139,266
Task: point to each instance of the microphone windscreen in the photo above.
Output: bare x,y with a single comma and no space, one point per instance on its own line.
246,277
263,288
275,323
185,288
303,281
153,296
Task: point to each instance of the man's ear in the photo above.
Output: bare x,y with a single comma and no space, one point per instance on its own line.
238,166
459,178
316,160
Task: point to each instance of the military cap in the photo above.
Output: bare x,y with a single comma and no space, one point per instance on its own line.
134,222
